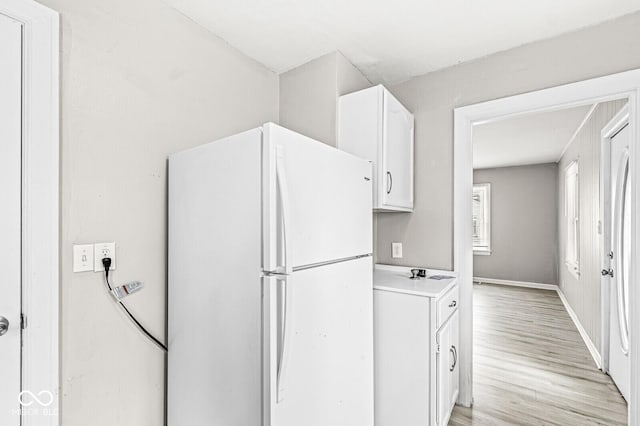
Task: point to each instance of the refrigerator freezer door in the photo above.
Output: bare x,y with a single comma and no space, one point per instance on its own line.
317,202
326,351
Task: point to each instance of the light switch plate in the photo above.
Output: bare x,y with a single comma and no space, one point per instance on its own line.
396,250
82,257
102,250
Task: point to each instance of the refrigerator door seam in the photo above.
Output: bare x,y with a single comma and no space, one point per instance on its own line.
329,262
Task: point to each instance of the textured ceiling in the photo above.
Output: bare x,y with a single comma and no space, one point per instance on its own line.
530,139
391,41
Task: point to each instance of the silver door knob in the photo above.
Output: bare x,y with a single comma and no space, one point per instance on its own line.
4,326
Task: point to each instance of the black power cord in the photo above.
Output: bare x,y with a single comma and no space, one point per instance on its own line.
106,262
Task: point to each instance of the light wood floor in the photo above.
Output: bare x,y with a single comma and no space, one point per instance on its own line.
531,366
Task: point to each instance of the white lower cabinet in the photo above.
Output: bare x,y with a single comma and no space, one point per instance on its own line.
447,376
415,357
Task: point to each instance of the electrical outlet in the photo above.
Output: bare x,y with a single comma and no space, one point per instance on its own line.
396,250
82,257
102,250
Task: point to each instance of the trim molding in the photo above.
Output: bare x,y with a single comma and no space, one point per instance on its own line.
526,284
40,201
578,130
593,350
587,92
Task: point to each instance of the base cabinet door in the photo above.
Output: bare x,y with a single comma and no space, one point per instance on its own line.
401,360
447,374
454,373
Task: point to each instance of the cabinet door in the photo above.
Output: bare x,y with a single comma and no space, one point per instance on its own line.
402,374
454,370
396,177
444,361
447,370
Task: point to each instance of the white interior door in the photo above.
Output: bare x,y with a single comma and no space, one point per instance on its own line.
326,347
10,187
619,228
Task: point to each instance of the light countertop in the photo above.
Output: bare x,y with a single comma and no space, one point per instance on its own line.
396,279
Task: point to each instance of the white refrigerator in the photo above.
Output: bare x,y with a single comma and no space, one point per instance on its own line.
270,283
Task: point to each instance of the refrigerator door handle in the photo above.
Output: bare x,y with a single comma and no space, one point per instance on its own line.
283,191
284,341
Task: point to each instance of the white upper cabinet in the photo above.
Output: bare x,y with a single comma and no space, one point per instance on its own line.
374,125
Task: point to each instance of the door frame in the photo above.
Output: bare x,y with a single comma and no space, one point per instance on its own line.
608,131
40,202
601,89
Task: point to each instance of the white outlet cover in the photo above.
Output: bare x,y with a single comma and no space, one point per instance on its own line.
396,250
82,257
102,250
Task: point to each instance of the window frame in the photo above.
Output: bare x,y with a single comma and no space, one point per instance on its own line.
572,218
484,249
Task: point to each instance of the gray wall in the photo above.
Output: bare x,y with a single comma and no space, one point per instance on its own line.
524,224
309,99
139,81
427,234
584,294
309,95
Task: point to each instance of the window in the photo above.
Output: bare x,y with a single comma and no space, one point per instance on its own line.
482,218
572,217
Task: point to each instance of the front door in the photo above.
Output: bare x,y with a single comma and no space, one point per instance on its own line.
619,254
10,222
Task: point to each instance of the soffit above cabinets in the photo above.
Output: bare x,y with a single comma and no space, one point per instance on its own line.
391,41
530,139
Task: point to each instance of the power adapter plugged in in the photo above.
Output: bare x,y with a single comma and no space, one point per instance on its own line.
127,289
123,291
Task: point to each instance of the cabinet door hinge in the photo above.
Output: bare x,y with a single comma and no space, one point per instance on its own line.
438,348
23,321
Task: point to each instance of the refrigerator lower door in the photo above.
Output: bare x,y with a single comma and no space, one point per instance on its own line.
319,353
317,202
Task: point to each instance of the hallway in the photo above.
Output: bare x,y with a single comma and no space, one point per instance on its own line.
531,365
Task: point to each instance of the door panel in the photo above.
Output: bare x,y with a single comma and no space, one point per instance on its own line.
447,370
454,369
620,232
444,361
397,154
327,360
10,182
317,201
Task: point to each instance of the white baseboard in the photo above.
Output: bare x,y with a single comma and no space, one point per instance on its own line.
515,283
587,340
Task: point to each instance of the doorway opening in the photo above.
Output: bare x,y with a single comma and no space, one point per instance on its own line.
537,268
598,90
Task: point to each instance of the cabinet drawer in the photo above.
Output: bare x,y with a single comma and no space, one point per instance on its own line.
446,306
